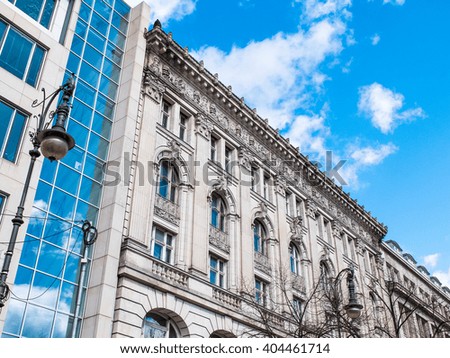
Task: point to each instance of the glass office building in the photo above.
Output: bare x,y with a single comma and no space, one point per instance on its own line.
47,298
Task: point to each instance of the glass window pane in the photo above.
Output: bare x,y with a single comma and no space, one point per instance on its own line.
93,57
77,45
212,277
114,53
6,113
98,146
89,74
81,113
100,25
14,139
96,40
48,170
86,212
157,251
116,37
63,326
51,259
108,88
15,53
122,8
67,179
42,196
72,265
22,282
36,223
93,168
62,204
35,66
85,12
29,251
85,93
47,13
16,310
105,106
74,158
111,70
163,187
73,62
66,297
31,8
44,290
90,191
78,132
37,328
159,235
102,9
119,22
81,28
101,125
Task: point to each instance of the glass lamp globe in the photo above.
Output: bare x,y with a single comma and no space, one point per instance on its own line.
55,143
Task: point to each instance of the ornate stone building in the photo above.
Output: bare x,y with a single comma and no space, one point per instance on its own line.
210,223
226,229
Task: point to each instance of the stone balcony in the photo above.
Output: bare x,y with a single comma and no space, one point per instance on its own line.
262,263
219,239
227,298
167,210
298,283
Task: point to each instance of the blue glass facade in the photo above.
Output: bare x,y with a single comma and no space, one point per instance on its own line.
43,302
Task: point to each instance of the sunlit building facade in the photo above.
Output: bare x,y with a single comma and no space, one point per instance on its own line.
210,223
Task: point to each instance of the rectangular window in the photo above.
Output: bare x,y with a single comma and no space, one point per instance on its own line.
228,159
165,115
299,207
20,55
39,10
254,179
327,230
266,187
217,271
12,125
213,148
183,126
297,307
163,245
288,204
260,292
2,204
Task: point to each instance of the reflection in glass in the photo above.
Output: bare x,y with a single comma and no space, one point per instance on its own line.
38,322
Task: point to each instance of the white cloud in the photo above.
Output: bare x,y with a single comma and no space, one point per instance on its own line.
360,158
165,10
315,9
394,2
384,107
443,277
275,75
431,260
375,39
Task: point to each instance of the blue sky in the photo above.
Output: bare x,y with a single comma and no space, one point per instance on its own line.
365,79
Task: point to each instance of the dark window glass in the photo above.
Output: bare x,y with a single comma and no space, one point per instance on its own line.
73,62
35,66
12,125
15,53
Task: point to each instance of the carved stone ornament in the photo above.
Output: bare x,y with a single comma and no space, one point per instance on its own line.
220,184
337,228
311,208
203,126
155,66
296,227
152,87
245,159
175,148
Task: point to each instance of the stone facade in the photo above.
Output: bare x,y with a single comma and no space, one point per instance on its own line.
222,151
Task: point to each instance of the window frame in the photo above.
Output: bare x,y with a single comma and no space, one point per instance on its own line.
25,73
165,246
172,180
41,11
219,271
3,198
261,291
166,109
11,123
183,127
295,259
260,237
219,211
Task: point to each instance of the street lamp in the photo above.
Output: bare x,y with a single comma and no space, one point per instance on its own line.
353,308
54,143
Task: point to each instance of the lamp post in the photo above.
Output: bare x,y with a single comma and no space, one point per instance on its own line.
353,309
54,143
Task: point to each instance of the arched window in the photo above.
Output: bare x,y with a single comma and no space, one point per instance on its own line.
158,326
168,181
259,237
294,256
218,212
